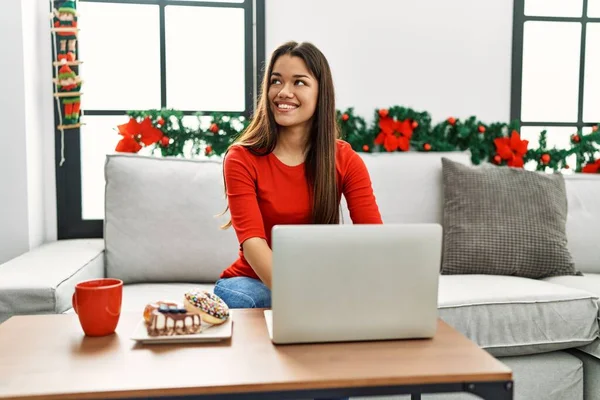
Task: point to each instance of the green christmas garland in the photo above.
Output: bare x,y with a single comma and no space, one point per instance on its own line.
394,129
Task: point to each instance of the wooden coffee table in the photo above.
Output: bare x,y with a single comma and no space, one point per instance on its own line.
47,356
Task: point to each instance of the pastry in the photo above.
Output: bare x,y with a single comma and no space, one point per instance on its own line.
154,306
169,321
211,307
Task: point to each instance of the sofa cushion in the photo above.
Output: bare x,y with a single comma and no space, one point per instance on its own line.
408,186
514,316
42,281
591,372
550,376
583,195
593,349
160,223
504,221
589,283
136,296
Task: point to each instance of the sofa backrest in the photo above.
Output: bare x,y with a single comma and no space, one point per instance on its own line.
583,220
408,186
160,223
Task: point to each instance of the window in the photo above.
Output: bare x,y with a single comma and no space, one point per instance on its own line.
555,71
148,54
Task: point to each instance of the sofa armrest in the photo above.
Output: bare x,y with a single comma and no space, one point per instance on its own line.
42,280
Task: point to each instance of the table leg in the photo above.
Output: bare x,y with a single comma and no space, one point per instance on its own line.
491,390
415,396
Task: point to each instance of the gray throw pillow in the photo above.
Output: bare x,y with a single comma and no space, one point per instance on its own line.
504,221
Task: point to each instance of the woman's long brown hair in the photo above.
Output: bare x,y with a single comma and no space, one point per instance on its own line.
261,134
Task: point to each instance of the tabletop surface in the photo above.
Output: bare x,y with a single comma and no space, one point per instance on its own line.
49,356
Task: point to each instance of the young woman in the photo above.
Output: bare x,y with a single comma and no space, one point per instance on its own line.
288,167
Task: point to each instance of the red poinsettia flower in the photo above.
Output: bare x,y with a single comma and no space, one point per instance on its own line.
592,168
128,145
394,134
149,134
512,149
135,133
131,128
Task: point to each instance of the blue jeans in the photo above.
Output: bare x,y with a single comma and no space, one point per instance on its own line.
243,292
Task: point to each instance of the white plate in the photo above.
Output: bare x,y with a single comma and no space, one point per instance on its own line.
208,333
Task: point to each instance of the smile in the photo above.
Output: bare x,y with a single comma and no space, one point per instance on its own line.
285,107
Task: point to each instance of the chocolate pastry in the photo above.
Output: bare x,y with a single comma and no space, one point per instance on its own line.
170,320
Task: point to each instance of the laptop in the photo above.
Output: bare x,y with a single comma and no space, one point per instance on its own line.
339,283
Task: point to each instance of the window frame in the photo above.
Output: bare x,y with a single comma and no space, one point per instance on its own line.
519,19
70,224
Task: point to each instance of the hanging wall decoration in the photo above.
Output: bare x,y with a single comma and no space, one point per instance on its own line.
67,83
393,129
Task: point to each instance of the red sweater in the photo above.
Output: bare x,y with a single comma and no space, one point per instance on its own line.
263,192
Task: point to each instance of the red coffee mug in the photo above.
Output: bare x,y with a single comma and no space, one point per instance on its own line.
97,302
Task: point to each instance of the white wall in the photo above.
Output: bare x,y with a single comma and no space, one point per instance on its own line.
14,224
448,58
39,122
444,57
27,214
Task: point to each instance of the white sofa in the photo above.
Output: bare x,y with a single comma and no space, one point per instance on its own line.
162,237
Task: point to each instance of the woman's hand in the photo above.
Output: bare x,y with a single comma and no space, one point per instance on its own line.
260,257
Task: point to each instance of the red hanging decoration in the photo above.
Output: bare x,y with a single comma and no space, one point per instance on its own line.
545,159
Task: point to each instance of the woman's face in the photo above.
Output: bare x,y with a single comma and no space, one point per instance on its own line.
293,91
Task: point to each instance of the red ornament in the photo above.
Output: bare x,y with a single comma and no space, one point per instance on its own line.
366,147
160,121
451,120
383,113
165,141
594,128
567,166
575,138
497,159
208,150
345,117
214,128
415,125
481,128
427,146
545,158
